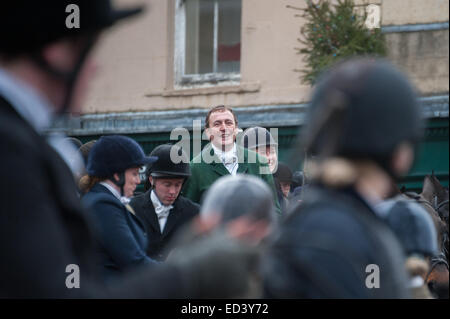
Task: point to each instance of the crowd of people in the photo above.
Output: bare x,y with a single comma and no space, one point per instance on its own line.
233,222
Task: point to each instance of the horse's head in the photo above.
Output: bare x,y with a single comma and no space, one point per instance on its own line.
437,195
434,199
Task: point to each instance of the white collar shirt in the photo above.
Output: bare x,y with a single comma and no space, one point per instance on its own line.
229,158
162,211
124,200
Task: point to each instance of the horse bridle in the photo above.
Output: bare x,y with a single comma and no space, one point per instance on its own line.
436,260
441,257
435,205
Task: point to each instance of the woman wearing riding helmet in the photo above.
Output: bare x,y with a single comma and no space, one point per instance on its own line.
113,174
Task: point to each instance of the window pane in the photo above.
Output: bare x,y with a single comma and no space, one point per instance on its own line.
229,45
199,36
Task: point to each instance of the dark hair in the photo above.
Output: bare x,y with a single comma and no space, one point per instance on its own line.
219,108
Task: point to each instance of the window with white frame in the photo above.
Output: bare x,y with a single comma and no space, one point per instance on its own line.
207,41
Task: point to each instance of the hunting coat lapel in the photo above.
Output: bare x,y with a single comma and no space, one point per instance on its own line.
216,164
171,220
243,160
182,212
150,218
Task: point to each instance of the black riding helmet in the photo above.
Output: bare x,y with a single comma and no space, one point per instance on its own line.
28,26
172,163
362,108
283,173
113,155
298,179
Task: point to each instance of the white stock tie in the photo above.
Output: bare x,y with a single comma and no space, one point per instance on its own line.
124,200
161,210
230,163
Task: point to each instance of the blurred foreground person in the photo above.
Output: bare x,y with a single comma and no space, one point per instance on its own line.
76,142
71,154
241,200
363,125
415,230
45,240
162,209
113,175
239,213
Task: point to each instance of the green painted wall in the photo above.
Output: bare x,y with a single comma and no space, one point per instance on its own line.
432,155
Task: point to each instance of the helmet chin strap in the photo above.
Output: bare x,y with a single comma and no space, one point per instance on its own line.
120,183
68,77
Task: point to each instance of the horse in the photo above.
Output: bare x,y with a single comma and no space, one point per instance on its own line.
435,199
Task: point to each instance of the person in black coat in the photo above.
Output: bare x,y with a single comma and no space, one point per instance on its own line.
364,123
47,242
47,246
161,208
113,174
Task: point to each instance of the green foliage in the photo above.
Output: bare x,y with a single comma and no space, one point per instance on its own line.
332,32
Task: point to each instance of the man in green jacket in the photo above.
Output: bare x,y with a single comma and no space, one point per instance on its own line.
223,157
